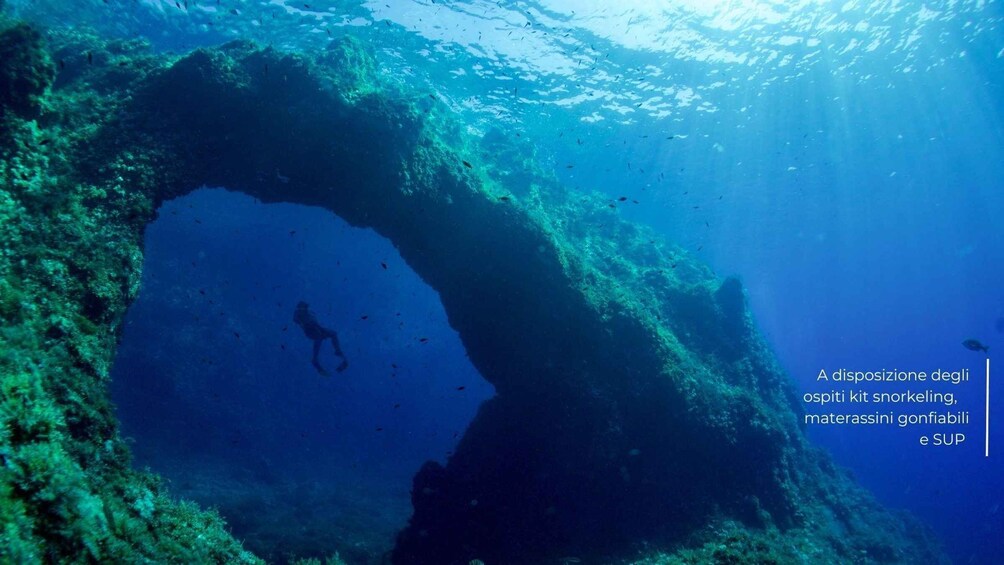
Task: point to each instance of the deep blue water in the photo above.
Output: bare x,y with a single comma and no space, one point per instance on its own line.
214,379
844,159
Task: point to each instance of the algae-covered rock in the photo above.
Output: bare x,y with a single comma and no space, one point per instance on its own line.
69,265
635,398
350,67
25,70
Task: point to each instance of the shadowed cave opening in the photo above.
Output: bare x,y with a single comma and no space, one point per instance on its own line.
213,383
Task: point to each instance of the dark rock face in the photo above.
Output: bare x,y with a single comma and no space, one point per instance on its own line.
25,70
635,399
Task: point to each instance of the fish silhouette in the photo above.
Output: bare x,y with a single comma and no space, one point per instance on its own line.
975,345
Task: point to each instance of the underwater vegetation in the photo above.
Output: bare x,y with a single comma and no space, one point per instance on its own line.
27,70
635,398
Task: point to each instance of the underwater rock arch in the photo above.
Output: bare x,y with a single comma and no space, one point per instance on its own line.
635,400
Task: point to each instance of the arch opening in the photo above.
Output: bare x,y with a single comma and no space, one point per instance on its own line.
213,381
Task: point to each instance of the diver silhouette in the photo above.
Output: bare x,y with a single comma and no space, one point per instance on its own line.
304,318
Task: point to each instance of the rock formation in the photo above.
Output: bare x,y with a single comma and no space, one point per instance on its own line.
637,408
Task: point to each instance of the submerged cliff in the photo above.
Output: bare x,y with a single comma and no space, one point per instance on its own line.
637,408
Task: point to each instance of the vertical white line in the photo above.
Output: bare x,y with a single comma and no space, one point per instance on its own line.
986,444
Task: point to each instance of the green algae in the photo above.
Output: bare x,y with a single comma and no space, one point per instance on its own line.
69,262
331,560
25,70
85,160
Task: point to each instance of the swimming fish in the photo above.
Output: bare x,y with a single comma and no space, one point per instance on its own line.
975,345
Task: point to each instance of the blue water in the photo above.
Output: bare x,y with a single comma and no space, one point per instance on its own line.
844,159
214,379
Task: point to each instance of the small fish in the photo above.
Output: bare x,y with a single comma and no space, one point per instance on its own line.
504,198
423,339
364,317
975,345
466,164
384,265
379,429
461,387
622,199
90,57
